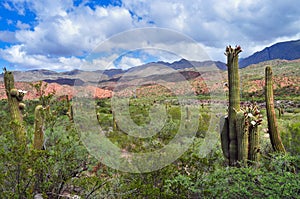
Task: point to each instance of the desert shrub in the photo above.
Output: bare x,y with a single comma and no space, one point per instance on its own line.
175,112
248,182
291,138
63,159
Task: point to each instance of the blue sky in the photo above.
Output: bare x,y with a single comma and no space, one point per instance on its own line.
61,34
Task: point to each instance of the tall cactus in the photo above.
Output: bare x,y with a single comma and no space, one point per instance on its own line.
38,127
239,136
234,100
272,122
15,106
70,112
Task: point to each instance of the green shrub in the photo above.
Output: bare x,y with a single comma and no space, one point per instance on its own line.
248,182
291,138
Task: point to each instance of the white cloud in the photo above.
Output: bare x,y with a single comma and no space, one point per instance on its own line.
62,32
21,25
75,33
9,22
7,36
219,23
93,62
160,55
7,6
129,62
22,60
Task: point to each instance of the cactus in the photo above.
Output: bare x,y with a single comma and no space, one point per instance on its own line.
234,100
272,122
70,113
253,120
38,127
242,137
224,136
188,113
239,135
115,124
16,106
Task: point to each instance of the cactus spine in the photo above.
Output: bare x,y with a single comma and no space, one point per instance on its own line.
272,122
15,106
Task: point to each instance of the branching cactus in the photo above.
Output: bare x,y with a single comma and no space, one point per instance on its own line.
16,106
239,135
272,122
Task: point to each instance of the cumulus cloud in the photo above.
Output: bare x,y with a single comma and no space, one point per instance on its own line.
22,60
75,33
7,36
219,23
129,62
21,25
64,33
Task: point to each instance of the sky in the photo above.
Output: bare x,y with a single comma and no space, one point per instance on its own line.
63,35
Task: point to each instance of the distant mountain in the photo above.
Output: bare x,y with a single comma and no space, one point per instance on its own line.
112,72
289,50
184,64
286,80
65,81
181,64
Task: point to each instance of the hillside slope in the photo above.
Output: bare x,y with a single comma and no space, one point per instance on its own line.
289,50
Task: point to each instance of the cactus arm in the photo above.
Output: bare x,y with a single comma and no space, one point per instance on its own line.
254,146
242,137
224,136
272,122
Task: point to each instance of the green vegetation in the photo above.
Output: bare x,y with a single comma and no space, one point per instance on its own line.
56,164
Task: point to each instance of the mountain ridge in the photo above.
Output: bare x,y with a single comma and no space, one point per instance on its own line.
288,50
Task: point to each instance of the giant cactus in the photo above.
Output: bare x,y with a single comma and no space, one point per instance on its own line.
239,136
234,101
272,122
15,106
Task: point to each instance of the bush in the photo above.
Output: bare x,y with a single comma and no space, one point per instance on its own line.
248,182
291,138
